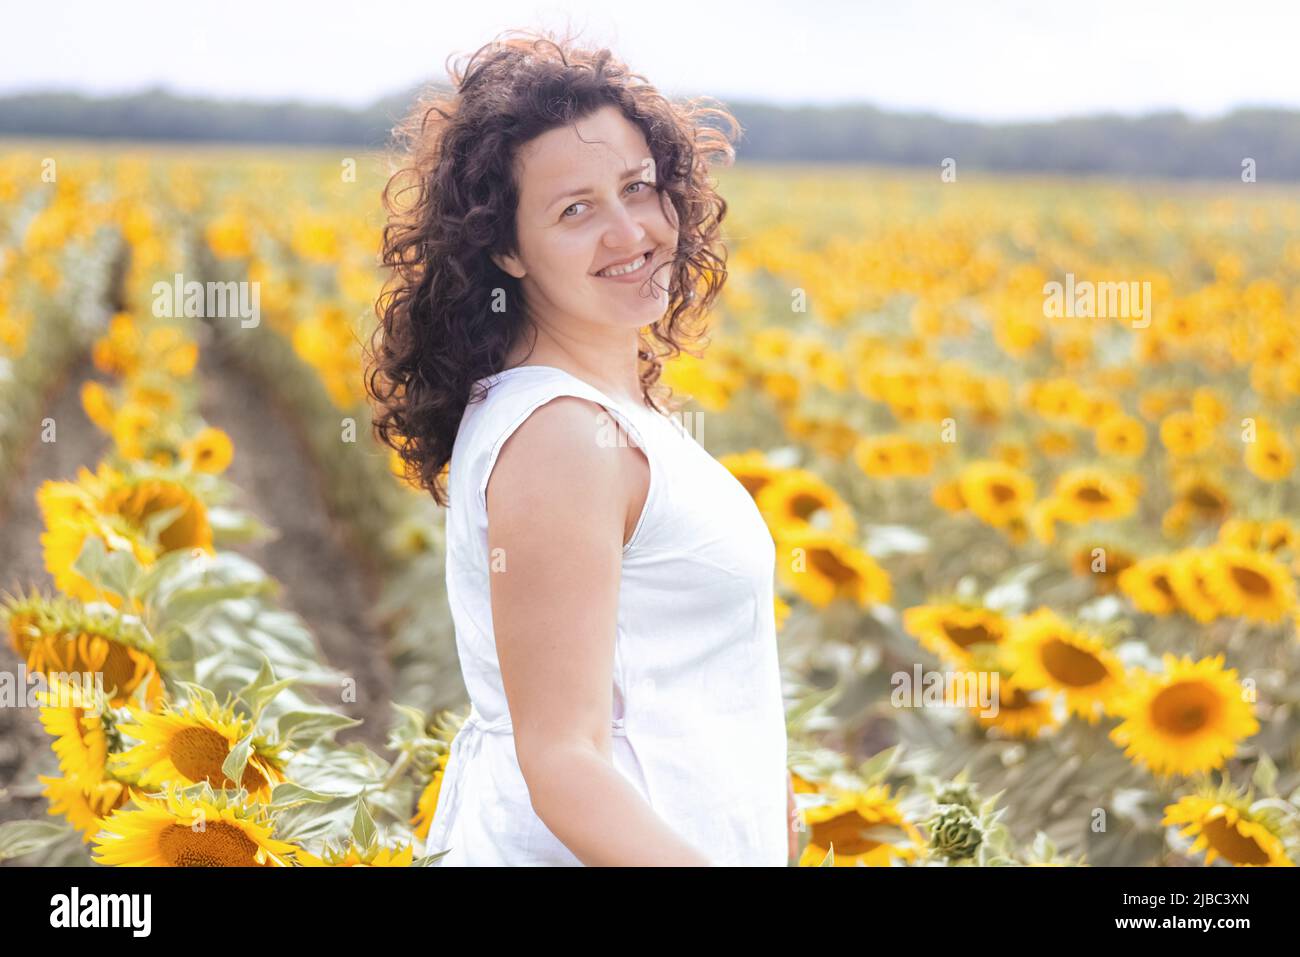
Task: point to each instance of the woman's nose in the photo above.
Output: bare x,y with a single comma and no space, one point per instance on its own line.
625,229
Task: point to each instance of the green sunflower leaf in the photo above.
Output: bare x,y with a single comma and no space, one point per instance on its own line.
114,571
364,832
302,729
22,837
237,759
1265,776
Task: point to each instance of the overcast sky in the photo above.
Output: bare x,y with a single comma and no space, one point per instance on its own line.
983,60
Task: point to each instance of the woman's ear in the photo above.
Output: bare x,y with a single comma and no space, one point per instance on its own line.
509,264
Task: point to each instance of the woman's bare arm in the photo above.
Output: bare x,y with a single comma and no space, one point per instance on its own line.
560,505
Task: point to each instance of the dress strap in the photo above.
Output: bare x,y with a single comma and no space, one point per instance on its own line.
550,383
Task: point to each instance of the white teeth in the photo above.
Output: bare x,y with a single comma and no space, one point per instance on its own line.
622,270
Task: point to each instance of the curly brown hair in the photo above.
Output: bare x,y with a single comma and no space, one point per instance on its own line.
452,203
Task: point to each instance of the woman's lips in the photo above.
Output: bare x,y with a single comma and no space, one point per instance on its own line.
634,276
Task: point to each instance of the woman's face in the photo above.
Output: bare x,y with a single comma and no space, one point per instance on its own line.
588,201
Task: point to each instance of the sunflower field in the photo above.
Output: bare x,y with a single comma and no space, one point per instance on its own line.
1036,570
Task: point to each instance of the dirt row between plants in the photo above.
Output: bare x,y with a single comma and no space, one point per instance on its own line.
322,578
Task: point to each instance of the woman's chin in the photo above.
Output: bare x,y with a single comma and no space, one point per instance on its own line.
633,311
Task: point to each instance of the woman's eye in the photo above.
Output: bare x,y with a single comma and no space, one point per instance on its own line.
639,182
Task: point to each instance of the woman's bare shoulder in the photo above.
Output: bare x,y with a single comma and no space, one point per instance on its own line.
562,465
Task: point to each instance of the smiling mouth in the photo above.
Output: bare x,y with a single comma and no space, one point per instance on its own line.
614,272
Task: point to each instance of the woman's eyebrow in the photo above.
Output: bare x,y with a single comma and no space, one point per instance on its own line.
575,190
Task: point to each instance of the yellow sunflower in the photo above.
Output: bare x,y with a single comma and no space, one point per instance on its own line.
1208,406
821,568
796,499
1054,442
80,737
98,404
829,435
1203,498
1224,827
1090,495
71,514
1103,569
84,809
114,507
376,857
1121,435
168,347
1043,516
1014,454
189,746
1188,719
785,388
1045,652
58,635
1147,585
180,831
116,353
1020,712
1272,536
995,492
137,500
949,631
866,829
160,397
801,784
750,469
62,544
209,451
1250,584
1270,457
135,427
428,801
1190,571
1185,433
891,456
947,495
229,237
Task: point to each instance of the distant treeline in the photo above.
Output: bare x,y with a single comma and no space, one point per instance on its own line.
1159,144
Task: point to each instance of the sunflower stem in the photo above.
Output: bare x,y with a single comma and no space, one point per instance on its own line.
396,771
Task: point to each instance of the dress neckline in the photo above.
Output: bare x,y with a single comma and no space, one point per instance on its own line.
639,407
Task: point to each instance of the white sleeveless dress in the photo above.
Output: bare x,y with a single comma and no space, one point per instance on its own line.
698,723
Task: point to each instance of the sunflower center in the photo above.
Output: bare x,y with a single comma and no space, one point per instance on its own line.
219,844
1251,581
966,635
830,566
1002,493
138,504
1232,844
1183,708
82,653
806,506
1018,700
198,754
1092,495
1205,499
846,831
119,670
1070,665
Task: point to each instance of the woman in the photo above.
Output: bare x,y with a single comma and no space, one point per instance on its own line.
614,617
